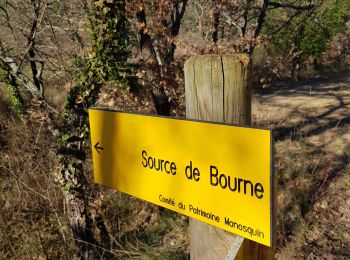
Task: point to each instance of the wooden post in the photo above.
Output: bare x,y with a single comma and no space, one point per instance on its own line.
218,89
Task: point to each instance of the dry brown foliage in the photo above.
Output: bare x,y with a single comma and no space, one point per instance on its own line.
32,222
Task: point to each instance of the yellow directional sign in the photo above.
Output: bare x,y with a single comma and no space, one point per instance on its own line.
219,174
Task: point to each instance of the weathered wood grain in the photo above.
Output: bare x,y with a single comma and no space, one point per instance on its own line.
218,89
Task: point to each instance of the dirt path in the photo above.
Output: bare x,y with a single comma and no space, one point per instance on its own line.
312,131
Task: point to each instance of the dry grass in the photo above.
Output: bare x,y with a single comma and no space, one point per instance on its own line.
32,220
31,216
140,230
311,122
312,154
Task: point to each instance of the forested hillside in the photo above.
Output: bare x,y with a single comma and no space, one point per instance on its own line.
58,58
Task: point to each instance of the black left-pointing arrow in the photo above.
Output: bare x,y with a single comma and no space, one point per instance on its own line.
98,147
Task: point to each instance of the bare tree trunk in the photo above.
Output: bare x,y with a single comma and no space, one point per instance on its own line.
89,231
216,23
35,73
295,69
162,51
19,76
161,102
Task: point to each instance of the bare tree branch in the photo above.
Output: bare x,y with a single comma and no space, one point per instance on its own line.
7,17
261,19
36,24
291,6
20,77
179,13
230,21
285,24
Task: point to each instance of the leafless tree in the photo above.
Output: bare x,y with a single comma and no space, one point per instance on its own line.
37,36
236,25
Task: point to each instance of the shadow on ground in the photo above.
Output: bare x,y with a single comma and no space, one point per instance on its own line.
311,121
